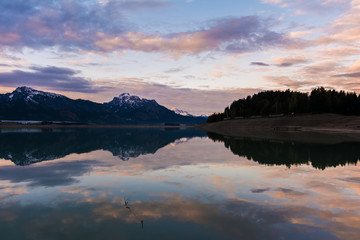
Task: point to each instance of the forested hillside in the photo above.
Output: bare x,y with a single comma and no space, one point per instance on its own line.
269,103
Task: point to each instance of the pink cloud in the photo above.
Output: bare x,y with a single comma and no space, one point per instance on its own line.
234,34
9,38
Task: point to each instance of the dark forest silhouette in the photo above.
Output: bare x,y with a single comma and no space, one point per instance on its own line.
272,103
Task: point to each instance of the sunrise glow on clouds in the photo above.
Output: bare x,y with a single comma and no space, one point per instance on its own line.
195,55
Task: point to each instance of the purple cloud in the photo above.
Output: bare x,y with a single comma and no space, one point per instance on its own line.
288,62
260,190
350,75
67,24
101,26
260,64
234,35
283,62
175,70
61,79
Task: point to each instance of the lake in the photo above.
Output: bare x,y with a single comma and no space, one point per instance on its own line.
153,183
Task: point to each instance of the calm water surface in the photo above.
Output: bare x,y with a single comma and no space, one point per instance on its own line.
174,184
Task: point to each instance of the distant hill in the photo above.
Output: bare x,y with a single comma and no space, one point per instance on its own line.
26,103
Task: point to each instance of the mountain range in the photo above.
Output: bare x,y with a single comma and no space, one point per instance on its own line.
26,103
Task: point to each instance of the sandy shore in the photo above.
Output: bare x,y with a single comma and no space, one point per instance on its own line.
320,128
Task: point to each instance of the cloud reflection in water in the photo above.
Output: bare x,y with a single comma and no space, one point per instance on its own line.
188,189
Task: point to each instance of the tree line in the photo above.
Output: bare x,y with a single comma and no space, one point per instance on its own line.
268,103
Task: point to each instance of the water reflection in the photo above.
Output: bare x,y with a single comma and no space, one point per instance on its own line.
36,145
269,152
173,217
189,187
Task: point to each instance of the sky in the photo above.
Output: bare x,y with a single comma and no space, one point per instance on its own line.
194,55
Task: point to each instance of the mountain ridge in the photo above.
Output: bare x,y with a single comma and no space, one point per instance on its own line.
26,103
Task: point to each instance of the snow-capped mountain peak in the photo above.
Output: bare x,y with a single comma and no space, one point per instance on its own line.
127,100
126,97
181,112
25,89
185,113
29,93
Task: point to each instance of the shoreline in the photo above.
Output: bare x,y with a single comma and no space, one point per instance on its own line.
316,128
89,126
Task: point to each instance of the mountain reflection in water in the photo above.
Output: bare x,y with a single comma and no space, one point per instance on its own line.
29,146
287,153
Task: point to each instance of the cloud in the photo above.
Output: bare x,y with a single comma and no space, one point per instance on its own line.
350,75
324,67
301,7
69,25
339,51
283,62
137,5
288,62
260,190
279,191
352,179
236,35
343,32
273,1
260,64
290,192
178,184
61,79
100,26
175,70
355,66
288,83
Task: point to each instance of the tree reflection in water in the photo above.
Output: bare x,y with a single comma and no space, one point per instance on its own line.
287,153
